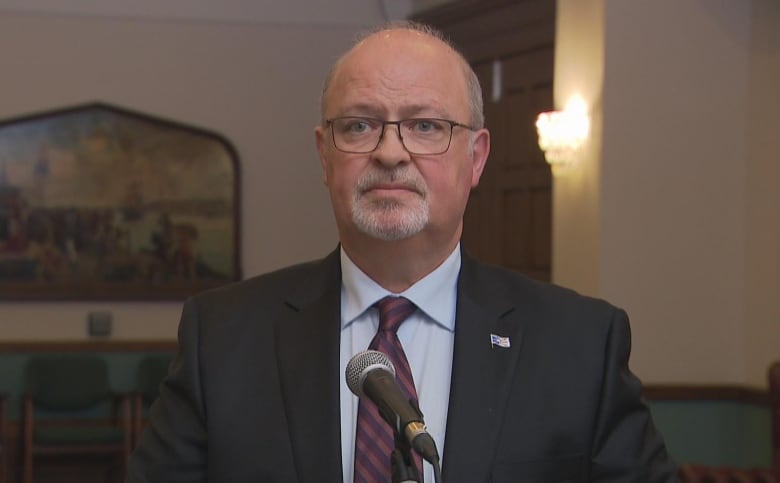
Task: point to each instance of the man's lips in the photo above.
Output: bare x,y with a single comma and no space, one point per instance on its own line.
391,188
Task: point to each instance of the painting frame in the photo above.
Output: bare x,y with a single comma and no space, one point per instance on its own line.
101,202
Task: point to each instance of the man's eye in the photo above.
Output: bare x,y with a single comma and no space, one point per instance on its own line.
426,126
357,126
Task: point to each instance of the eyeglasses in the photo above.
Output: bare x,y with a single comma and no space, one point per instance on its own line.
360,135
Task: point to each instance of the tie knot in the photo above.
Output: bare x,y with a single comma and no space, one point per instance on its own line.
393,311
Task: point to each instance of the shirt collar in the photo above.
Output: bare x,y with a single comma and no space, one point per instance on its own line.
435,294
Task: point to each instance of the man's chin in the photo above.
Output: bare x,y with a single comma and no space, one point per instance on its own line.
390,230
390,221
391,235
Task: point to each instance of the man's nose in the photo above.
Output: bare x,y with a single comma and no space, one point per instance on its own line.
391,150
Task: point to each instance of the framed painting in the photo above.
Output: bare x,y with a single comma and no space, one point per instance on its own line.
99,202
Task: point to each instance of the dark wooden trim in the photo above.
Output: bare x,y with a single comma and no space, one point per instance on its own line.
90,346
486,30
461,10
731,393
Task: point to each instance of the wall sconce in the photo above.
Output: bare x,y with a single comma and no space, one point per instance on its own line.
562,133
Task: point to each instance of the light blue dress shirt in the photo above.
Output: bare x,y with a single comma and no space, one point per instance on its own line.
428,337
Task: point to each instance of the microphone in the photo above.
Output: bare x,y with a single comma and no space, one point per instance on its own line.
371,374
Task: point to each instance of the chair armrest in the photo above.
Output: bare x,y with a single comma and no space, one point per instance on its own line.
121,403
3,421
121,397
121,416
28,419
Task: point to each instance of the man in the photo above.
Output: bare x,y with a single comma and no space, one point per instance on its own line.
518,380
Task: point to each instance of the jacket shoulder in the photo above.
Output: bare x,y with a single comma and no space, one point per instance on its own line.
274,287
518,290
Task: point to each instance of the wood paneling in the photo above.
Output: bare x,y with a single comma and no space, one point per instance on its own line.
509,217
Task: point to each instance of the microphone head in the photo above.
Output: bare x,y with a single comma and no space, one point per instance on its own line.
361,364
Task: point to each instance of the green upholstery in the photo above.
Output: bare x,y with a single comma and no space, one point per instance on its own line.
60,390
67,382
151,371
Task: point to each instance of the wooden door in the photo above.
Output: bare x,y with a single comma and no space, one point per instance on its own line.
510,45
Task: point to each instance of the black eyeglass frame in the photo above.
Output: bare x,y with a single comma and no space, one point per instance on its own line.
397,124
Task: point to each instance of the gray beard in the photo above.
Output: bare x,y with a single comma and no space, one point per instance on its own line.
390,220
371,218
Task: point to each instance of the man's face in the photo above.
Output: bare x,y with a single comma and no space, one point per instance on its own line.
390,194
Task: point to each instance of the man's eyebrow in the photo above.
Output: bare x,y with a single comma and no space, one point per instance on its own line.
405,112
422,110
363,110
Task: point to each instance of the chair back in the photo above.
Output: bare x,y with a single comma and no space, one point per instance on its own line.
67,382
151,371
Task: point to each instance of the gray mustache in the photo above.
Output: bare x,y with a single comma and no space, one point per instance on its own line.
400,176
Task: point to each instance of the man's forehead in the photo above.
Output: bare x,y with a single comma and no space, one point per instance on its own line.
396,51
406,39
395,67
394,87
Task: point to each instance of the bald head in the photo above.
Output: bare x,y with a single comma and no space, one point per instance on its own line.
398,41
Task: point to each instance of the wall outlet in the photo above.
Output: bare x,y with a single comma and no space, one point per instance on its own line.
99,324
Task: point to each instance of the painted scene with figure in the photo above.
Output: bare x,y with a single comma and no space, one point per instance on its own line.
100,202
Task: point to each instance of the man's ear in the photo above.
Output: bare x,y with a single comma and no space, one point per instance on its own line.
479,153
319,139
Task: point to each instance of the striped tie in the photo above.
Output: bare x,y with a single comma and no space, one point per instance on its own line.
374,441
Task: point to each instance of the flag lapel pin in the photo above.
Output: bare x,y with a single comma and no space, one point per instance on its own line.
499,341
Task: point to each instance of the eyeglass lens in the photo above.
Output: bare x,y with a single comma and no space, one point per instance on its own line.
419,136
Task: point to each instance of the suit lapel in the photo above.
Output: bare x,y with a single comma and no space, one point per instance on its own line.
308,357
481,374
308,351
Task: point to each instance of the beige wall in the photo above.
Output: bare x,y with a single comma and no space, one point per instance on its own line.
579,70
257,84
688,217
762,192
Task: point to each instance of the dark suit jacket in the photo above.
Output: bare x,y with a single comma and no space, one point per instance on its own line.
253,395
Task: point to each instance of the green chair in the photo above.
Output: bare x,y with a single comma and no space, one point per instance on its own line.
3,441
151,371
63,399
692,473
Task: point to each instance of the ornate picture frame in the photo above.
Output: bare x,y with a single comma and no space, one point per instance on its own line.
99,202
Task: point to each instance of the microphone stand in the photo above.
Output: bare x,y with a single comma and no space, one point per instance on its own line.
402,464
403,469
432,459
